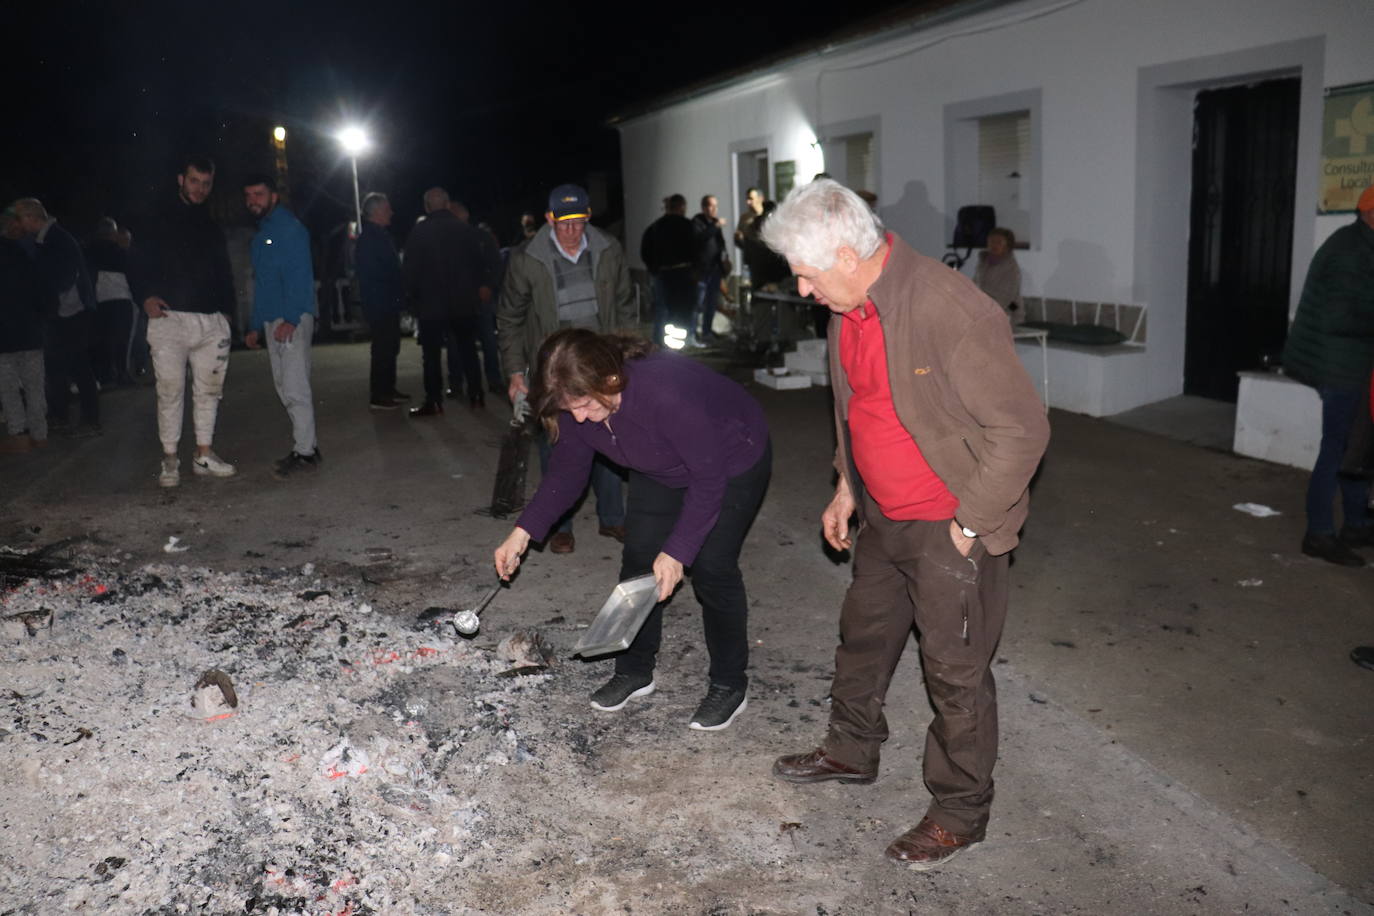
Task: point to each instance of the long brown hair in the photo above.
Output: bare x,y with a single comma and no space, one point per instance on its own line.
578,363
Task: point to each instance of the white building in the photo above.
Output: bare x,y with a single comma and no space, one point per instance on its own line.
1077,119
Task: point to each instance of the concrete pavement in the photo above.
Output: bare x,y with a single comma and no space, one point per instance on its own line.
1182,729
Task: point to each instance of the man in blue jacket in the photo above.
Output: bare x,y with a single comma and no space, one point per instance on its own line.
383,294
284,315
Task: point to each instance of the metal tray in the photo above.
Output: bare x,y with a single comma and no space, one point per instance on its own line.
619,620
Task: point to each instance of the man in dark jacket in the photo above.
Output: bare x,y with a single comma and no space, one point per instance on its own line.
712,265
383,295
70,329
179,271
446,264
668,250
1331,347
25,303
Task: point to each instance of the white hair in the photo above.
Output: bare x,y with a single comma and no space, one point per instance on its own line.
817,220
436,199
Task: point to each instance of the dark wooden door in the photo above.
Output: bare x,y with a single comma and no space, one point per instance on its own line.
1240,248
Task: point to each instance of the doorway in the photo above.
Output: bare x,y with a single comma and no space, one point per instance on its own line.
1245,151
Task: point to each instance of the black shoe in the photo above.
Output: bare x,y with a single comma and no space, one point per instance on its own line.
399,396
620,689
719,709
427,410
477,401
453,394
1357,535
383,404
296,462
84,431
1328,547
1363,656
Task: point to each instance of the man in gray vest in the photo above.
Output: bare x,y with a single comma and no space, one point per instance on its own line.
569,275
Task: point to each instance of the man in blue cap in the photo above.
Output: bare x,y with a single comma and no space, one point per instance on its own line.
569,275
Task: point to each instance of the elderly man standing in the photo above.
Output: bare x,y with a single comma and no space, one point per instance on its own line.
568,275
180,275
1331,347
939,430
713,265
284,315
383,295
447,263
71,329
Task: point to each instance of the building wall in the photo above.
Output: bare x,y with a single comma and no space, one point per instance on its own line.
1113,82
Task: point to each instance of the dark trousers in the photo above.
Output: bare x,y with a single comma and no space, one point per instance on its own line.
67,351
491,357
460,334
708,295
113,340
716,577
675,297
1338,418
386,345
909,574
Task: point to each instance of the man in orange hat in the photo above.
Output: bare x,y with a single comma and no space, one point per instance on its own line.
1331,347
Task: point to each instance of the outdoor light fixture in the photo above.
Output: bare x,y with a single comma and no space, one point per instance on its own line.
354,142
279,134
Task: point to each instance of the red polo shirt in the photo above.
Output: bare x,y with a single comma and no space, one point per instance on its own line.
893,469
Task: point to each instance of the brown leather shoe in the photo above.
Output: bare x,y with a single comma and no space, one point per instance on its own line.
562,542
612,531
927,845
818,767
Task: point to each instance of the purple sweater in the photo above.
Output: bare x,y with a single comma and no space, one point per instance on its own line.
679,423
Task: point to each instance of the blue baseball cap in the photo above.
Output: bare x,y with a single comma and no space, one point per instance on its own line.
569,201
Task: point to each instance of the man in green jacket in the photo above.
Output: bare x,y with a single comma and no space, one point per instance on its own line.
1331,347
939,431
569,275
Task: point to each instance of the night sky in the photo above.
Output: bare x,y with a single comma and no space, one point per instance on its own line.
496,101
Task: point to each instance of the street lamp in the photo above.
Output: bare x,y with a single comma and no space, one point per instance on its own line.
354,142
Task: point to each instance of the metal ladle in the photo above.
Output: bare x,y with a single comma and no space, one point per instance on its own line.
468,621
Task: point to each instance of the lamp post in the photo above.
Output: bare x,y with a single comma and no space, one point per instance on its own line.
354,142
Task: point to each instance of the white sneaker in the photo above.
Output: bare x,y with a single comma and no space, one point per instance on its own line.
213,465
170,475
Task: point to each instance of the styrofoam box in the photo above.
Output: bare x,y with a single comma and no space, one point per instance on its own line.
821,379
812,347
781,382
804,362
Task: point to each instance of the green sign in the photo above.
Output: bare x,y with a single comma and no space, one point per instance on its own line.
1347,147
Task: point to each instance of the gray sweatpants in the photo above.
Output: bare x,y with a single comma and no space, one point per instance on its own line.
291,374
176,340
23,371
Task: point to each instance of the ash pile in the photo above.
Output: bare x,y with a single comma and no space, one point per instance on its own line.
176,739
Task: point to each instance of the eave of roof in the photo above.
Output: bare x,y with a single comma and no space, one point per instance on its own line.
875,30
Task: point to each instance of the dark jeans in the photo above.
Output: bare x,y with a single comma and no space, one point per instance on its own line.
460,334
113,340
716,577
1338,416
675,297
491,357
910,574
608,484
708,294
386,344
67,351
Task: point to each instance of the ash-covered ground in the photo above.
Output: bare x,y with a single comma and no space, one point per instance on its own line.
373,764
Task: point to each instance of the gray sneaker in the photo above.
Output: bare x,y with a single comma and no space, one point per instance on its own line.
211,465
620,689
170,474
719,709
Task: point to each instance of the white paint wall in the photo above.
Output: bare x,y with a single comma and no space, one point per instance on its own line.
1109,203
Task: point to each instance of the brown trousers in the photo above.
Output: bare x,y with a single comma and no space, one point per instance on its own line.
910,574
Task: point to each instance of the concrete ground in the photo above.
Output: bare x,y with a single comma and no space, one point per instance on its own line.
1182,729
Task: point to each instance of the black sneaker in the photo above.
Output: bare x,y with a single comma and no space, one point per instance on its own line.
296,462
719,708
620,689
1328,547
1363,656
